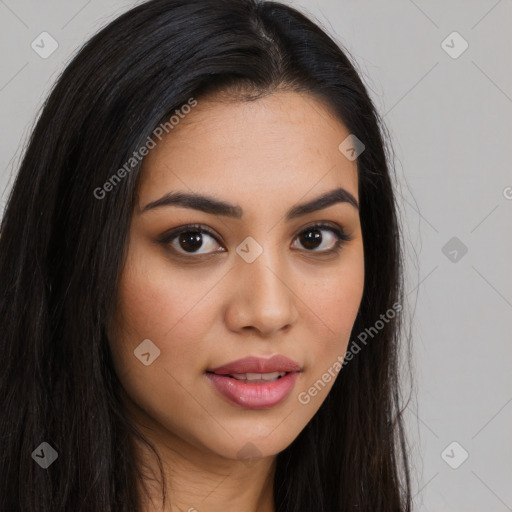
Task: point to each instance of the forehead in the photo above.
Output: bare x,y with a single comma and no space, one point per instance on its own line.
282,144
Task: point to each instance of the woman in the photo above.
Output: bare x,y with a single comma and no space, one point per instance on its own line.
200,266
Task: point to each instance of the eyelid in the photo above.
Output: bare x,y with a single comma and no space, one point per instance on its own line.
332,226
174,232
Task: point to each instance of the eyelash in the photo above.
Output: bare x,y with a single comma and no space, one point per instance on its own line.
342,237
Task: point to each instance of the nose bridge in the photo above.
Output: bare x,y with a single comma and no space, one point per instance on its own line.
263,274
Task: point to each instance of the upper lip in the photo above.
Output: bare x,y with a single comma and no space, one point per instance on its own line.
258,365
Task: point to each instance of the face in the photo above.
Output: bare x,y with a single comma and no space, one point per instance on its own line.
245,273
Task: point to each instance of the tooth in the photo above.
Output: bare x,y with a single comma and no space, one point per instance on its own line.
270,376
258,376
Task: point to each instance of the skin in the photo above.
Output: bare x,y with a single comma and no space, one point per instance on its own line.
265,156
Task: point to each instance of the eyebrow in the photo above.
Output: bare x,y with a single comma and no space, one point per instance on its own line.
217,207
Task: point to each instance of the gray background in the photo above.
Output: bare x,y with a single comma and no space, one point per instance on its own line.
450,121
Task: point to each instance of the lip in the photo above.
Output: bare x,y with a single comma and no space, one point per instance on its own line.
258,365
255,395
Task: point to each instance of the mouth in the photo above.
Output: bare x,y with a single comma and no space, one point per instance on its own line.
255,383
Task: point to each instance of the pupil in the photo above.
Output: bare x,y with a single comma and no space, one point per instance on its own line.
192,239
311,238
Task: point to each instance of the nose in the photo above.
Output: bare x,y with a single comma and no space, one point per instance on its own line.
264,297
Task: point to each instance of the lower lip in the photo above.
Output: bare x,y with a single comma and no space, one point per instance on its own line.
254,395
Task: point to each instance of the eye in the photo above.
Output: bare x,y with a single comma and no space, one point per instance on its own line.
313,240
195,239
192,239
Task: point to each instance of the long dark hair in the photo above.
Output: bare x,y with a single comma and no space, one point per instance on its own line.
62,250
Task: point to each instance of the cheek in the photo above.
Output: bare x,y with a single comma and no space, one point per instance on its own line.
336,298
162,301
169,308
332,303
